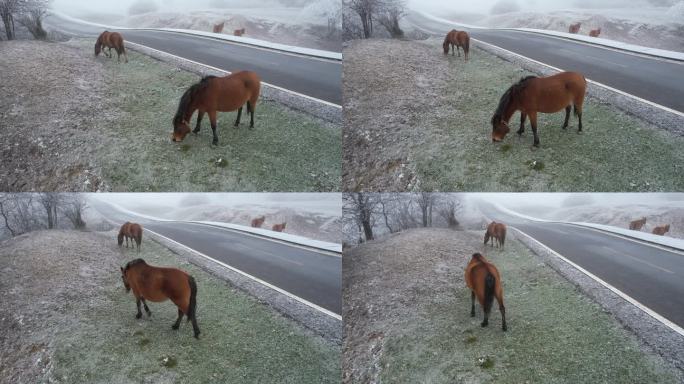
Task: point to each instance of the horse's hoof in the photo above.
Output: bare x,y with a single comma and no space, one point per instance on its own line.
174,327
483,324
504,328
197,335
139,315
214,142
472,314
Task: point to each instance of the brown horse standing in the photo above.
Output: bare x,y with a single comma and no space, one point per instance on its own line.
595,32
279,227
496,231
216,94
484,281
218,28
534,94
132,231
457,39
111,40
661,229
636,225
158,284
574,28
258,222
239,32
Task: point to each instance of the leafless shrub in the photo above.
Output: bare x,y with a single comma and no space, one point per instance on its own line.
390,15
33,21
73,206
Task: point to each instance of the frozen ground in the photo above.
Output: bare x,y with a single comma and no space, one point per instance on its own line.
407,319
67,318
656,27
423,123
68,128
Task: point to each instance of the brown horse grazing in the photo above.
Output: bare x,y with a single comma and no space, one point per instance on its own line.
111,40
496,231
279,227
484,281
661,229
636,225
218,28
239,32
534,94
132,231
457,39
574,28
158,284
258,222
216,94
595,32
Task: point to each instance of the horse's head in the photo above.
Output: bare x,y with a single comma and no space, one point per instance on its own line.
120,238
181,128
125,280
486,237
499,128
98,48
445,46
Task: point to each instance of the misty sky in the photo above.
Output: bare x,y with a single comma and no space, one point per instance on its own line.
555,200
120,7
483,6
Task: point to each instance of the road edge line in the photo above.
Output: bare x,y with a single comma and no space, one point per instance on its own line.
618,292
267,284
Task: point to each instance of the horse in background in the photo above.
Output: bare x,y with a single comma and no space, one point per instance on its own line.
159,284
279,227
496,231
216,94
661,229
636,225
534,94
239,32
111,40
218,28
457,39
258,222
132,231
574,28
484,282
595,32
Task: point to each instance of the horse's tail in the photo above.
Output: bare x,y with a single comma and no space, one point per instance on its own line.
193,298
490,284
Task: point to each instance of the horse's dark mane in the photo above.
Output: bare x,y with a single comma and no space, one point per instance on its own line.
189,96
513,91
134,262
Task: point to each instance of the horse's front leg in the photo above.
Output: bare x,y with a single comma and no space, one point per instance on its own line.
237,121
458,50
567,116
178,320
137,303
533,122
522,123
147,310
502,309
200,114
472,303
212,119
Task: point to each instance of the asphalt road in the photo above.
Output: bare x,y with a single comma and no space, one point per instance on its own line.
655,80
318,78
309,274
653,276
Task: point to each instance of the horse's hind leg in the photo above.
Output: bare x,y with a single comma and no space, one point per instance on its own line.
533,122
502,309
250,109
147,310
212,120
200,114
237,121
458,50
472,303
578,112
178,320
567,116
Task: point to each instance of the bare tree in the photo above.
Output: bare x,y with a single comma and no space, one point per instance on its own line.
4,211
426,202
448,210
50,203
29,11
389,17
33,21
361,207
9,8
17,211
365,10
73,206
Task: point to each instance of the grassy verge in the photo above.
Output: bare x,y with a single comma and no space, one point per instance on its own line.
241,341
556,335
286,151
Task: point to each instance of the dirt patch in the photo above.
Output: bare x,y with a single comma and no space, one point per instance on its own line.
423,123
68,319
72,122
407,319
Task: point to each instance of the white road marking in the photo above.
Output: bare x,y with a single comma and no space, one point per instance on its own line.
228,72
664,108
269,285
628,298
624,237
646,263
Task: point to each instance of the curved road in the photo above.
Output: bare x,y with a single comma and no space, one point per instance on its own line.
655,80
318,78
653,276
304,272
